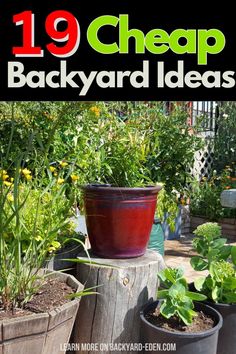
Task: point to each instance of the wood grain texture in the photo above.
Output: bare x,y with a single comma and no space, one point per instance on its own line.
126,285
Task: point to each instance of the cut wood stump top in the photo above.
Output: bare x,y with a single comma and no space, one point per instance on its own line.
148,258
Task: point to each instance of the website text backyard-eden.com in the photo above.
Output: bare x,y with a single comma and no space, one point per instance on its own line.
119,347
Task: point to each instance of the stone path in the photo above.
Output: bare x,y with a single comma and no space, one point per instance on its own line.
179,252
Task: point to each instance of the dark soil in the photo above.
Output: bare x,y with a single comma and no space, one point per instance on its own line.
200,323
52,294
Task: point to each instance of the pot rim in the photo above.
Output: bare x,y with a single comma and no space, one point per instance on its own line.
102,187
205,333
220,304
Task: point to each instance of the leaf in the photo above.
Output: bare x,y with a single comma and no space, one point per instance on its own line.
196,296
213,254
230,298
198,263
200,246
215,294
230,283
184,282
218,243
179,273
185,315
169,273
233,254
225,252
198,283
209,282
162,294
161,276
177,289
167,309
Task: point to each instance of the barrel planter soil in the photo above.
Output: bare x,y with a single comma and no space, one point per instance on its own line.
119,220
41,333
182,343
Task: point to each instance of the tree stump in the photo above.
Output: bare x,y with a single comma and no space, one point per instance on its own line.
112,316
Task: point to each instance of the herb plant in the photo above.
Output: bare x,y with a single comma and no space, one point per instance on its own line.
219,259
176,299
210,246
220,285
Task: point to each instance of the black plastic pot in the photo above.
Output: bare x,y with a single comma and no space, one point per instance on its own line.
68,252
178,342
227,334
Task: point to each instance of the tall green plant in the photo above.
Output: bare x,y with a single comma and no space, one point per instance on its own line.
28,233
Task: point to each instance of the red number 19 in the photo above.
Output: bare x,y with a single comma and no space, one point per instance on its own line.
70,36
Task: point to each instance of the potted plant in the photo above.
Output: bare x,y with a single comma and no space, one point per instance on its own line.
133,145
119,219
120,199
177,321
37,308
219,285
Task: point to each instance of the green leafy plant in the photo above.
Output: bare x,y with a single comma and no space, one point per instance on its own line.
133,144
210,246
205,194
123,143
219,259
31,217
220,285
176,299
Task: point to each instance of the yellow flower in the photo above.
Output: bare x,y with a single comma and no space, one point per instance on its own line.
52,169
60,180
95,110
54,246
26,172
55,174
10,198
74,178
38,238
8,184
51,249
12,179
5,177
28,177
63,164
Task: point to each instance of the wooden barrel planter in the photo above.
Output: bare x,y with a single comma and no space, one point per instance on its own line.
41,333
